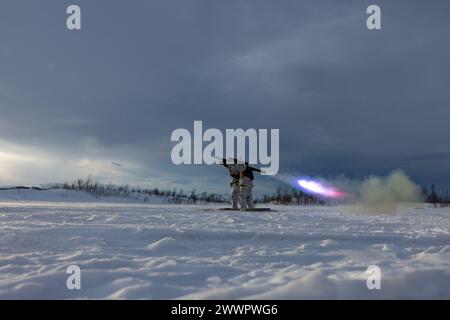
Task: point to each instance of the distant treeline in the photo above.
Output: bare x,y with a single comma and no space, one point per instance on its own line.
436,198
174,196
99,190
290,197
283,196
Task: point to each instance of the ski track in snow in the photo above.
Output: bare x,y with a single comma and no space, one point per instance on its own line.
159,251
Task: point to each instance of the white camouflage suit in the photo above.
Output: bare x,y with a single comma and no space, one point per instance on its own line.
235,171
246,186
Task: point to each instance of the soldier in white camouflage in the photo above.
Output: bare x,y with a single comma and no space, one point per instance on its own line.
235,170
246,187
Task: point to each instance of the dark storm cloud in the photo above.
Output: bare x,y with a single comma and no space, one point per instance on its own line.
346,99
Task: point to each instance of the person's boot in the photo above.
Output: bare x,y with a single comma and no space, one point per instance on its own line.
243,205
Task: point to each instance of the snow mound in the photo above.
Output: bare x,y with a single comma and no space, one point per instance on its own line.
155,251
25,194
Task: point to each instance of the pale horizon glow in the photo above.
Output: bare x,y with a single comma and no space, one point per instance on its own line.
24,165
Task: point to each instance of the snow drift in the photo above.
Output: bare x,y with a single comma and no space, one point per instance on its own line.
161,251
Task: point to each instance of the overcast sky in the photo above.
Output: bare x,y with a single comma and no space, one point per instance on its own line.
104,100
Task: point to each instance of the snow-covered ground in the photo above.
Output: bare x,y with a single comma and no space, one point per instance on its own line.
157,251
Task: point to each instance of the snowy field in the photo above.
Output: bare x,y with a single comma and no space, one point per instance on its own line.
160,251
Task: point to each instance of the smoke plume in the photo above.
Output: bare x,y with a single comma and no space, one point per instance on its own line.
384,194
373,194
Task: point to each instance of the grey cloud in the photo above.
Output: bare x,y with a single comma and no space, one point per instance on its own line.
346,100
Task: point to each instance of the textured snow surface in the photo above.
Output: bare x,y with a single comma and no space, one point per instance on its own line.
158,251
